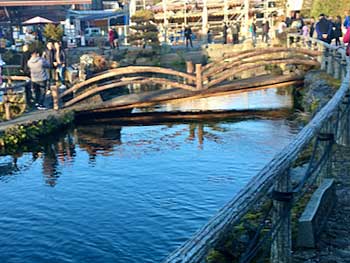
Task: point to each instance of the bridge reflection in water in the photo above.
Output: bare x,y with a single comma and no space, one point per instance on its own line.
127,193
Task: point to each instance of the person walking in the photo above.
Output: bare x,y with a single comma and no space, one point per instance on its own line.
252,30
60,62
116,38
266,29
38,74
225,28
111,38
324,29
338,30
188,36
209,37
235,33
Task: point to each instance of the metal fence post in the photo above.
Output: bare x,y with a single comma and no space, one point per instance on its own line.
281,246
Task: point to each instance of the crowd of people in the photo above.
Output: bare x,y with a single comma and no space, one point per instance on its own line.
45,70
327,28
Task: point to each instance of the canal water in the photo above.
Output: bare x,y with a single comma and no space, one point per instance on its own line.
106,193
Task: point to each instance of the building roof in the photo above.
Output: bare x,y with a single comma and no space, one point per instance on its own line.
42,2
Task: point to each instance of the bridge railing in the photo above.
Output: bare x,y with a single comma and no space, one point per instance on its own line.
272,188
196,77
129,75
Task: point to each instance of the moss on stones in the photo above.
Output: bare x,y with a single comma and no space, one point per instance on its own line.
13,137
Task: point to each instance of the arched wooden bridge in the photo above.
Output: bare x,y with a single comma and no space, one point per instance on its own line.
212,79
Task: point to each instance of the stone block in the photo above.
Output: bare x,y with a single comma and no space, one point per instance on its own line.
316,213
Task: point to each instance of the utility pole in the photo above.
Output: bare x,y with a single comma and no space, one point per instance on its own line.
185,12
246,16
165,22
225,11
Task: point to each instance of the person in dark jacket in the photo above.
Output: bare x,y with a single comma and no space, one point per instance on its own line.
324,29
265,31
38,73
60,62
312,27
337,30
225,33
235,33
49,56
188,36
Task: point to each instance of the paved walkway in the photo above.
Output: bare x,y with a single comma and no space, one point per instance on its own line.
334,243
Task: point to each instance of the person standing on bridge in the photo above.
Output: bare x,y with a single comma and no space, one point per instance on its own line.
38,74
324,29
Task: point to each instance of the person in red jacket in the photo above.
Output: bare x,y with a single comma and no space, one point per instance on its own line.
346,38
111,38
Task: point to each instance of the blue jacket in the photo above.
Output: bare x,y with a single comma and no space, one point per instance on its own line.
323,27
347,22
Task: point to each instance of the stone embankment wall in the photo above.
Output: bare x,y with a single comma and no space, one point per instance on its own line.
318,89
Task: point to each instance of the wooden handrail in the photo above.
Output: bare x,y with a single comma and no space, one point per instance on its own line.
231,72
254,56
125,83
195,249
126,71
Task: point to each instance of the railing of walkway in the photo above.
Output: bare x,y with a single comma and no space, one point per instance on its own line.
272,188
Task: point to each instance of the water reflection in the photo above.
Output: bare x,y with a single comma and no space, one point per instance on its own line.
59,151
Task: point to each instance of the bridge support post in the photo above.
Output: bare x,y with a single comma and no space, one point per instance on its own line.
199,77
281,219
55,97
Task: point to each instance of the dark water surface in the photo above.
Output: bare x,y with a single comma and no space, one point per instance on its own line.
104,193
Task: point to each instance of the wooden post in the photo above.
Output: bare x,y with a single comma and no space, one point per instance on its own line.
7,107
337,65
281,247
189,70
320,58
343,67
199,82
189,67
344,124
55,97
330,62
326,138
